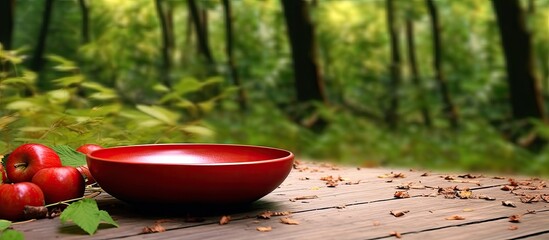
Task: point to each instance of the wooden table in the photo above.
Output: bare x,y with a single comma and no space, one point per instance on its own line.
336,202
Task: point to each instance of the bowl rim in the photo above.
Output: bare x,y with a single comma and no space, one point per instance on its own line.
289,156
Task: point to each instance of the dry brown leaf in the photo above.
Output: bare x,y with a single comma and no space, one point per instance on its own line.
487,198
464,194
264,229
545,198
395,234
224,220
530,198
449,177
515,218
398,213
513,227
401,194
507,188
508,204
269,214
289,221
455,217
35,212
156,228
425,174
468,175
392,175
332,183
498,177
304,198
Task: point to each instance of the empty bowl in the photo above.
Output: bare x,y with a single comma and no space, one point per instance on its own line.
190,173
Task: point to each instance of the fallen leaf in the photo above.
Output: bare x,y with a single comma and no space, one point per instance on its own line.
425,174
401,194
399,213
449,177
507,188
455,217
498,177
289,221
487,198
156,228
224,220
530,198
264,229
464,194
545,198
515,218
395,234
304,198
392,175
512,227
269,214
468,175
508,204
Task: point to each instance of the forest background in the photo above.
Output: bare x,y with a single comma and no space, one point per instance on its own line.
439,84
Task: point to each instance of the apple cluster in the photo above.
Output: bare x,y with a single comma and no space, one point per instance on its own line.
34,176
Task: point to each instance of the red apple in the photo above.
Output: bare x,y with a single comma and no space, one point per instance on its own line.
3,176
14,198
85,171
60,183
88,148
28,159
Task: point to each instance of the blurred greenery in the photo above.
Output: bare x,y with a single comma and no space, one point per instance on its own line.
108,90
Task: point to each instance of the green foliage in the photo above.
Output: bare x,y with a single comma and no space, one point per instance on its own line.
86,215
69,156
8,234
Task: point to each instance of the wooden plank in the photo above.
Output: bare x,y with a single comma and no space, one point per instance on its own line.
367,203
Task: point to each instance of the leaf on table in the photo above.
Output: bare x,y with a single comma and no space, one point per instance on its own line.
264,229
425,174
86,215
156,228
448,177
402,194
12,235
35,212
304,198
466,181
530,198
507,188
487,198
508,204
289,221
545,197
464,194
395,234
392,175
515,218
399,213
470,176
448,192
513,227
224,220
4,224
498,177
269,214
455,217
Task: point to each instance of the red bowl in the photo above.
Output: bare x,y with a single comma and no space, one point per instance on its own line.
190,173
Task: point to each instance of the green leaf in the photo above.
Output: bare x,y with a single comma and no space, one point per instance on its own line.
69,156
69,81
4,224
86,215
11,235
160,113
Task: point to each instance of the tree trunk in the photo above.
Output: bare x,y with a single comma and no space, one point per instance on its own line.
242,99
38,60
391,114
524,91
85,21
203,46
164,16
7,15
308,80
412,59
449,108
